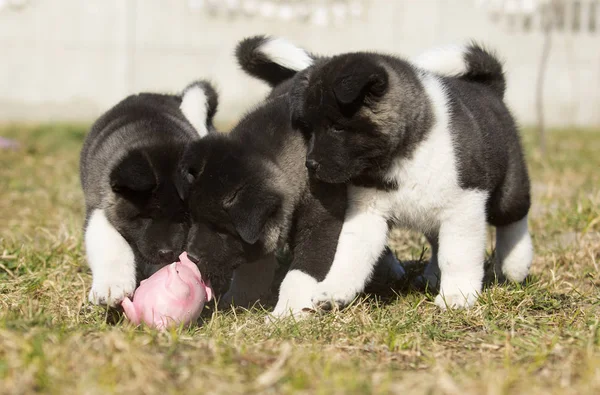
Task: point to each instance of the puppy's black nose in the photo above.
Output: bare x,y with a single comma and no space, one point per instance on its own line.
166,256
312,165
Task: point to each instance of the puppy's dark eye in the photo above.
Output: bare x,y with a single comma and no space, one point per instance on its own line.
190,177
228,201
337,128
190,174
301,125
304,128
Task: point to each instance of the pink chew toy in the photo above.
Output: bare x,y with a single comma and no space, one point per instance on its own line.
172,296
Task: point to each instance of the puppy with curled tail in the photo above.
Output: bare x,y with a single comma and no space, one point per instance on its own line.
135,218
429,145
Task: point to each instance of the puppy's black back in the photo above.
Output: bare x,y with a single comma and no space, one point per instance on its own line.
488,149
267,130
145,119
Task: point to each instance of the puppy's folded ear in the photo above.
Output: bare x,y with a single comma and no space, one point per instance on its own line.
199,102
183,183
250,210
189,167
133,175
359,78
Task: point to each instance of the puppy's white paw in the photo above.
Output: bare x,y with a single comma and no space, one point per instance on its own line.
284,310
457,299
329,295
111,292
298,308
294,296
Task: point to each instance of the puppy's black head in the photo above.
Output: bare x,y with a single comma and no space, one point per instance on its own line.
345,106
147,209
230,203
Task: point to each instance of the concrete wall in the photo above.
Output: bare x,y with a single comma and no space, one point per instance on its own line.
72,59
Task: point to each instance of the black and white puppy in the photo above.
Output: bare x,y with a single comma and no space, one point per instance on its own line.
429,145
249,193
135,219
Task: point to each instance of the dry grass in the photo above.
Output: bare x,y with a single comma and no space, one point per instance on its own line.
540,337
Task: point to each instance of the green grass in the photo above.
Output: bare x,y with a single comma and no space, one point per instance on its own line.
539,337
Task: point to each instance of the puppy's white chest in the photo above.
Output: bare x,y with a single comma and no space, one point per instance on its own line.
427,179
427,183
416,206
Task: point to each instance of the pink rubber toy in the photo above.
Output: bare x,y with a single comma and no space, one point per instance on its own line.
172,296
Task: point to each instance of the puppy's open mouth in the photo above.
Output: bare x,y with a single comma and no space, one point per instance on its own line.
196,261
218,280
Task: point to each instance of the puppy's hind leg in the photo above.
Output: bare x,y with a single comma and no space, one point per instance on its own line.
507,211
514,250
462,251
430,279
251,282
387,273
313,244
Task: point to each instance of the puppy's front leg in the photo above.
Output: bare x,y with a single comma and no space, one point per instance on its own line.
313,242
251,282
362,241
462,252
313,250
111,259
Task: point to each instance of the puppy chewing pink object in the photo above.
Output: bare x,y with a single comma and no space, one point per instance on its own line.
172,296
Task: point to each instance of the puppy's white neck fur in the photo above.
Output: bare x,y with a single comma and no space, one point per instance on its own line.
437,143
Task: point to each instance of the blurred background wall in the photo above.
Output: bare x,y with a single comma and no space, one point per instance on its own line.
72,59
